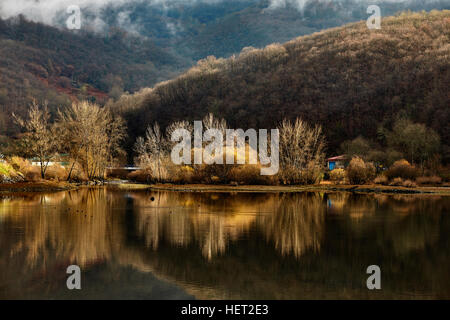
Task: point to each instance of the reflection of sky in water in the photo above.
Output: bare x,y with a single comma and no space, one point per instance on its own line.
212,245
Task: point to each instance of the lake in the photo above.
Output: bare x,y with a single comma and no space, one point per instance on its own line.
188,245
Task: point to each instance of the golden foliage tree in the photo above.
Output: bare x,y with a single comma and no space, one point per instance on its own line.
41,138
93,136
301,152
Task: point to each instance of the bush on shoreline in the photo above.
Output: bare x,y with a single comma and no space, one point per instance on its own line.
381,179
360,172
433,180
8,174
402,169
20,169
338,176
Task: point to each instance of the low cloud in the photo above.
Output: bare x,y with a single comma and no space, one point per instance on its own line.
53,12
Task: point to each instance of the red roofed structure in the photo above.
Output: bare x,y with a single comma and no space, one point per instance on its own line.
336,162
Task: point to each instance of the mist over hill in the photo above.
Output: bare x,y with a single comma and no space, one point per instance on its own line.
198,28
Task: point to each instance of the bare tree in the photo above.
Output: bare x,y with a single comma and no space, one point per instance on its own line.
93,136
41,136
211,122
152,152
416,141
301,152
178,125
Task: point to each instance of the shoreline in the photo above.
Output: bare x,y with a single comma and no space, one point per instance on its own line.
50,186
377,189
43,186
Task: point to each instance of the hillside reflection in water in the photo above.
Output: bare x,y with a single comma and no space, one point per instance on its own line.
174,245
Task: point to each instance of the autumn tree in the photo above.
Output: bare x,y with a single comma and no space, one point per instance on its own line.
359,171
301,152
41,136
416,141
92,137
183,124
152,151
357,147
212,122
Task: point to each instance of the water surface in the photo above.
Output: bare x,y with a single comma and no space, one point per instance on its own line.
175,245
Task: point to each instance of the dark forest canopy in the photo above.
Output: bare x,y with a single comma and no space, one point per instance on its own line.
351,80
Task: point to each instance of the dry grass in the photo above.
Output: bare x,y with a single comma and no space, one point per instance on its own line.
56,173
338,176
132,186
402,169
434,180
250,174
30,173
396,182
381,179
315,188
409,184
41,186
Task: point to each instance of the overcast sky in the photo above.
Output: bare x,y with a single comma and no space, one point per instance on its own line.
48,11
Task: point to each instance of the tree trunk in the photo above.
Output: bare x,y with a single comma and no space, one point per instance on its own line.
70,172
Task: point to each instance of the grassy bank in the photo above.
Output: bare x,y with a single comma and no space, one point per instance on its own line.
50,186
44,186
317,188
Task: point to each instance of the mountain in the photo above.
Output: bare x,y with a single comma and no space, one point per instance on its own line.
47,63
196,29
349,79
126,45
222,28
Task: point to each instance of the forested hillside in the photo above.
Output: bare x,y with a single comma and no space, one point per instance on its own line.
260,23
350,80
129,45
46,63
195,29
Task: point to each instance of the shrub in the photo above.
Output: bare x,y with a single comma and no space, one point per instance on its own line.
78,174
291,175
313,173
56,172
250,175
117,173
444,173
33,175
409,184
20,164
140,176
381,179
402,169
6,169
429,180
396,182
8,174
30,173
214,173
338,175
360,172
182,174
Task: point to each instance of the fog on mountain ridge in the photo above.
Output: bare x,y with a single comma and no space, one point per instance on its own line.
131,14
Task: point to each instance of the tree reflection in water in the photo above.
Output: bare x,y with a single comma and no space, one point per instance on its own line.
302,245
